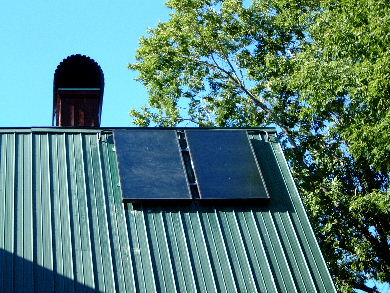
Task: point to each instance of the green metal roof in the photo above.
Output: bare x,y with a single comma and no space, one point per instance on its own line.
65,228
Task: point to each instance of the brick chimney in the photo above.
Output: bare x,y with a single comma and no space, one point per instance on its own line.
78,92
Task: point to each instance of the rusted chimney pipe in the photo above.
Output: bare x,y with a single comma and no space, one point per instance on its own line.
78,92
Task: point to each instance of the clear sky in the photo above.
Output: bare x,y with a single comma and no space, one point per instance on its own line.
37,35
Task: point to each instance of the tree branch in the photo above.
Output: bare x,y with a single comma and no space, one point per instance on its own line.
186,119
255,99
382,250
366,288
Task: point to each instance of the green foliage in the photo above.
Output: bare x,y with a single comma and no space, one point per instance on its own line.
319,71
348,62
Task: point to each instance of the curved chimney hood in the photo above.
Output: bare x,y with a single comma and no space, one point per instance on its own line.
78,92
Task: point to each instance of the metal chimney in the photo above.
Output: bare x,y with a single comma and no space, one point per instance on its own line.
78,92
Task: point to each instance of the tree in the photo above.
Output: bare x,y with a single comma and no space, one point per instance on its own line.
319,71
344,78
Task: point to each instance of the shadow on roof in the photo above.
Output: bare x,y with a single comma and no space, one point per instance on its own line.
18,274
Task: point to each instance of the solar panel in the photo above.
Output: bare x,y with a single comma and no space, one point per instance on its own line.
225,165
150,164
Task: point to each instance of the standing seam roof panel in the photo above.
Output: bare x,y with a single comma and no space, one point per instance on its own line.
309,245
65,228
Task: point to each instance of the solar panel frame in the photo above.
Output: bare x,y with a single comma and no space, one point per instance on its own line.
150,165
225,165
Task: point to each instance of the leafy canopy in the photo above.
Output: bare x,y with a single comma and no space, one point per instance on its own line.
319,72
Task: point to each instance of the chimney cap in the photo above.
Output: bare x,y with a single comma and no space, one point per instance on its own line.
77,71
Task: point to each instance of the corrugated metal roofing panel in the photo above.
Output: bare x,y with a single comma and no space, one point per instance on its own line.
65,228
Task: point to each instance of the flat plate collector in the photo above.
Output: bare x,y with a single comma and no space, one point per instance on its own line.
225,165
150,165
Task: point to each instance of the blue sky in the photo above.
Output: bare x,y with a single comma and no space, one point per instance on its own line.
37,35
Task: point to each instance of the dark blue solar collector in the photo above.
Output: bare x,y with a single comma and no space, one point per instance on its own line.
150,164
225,165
